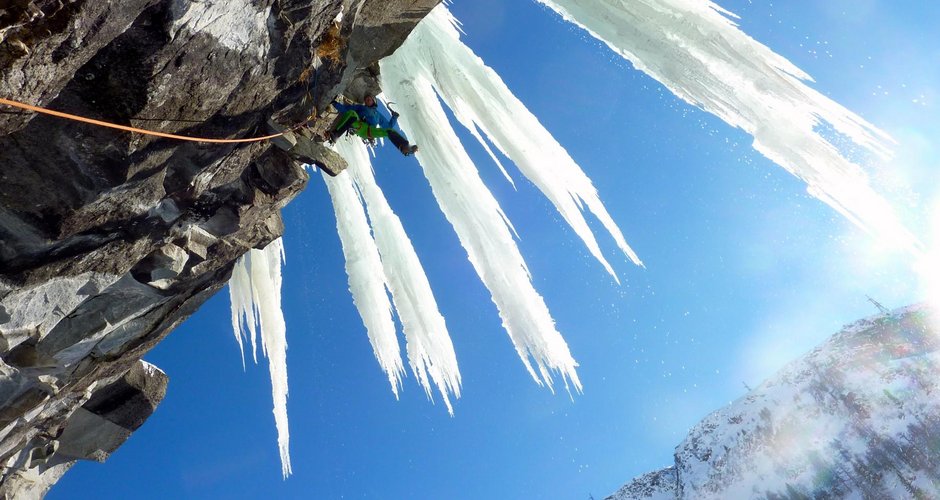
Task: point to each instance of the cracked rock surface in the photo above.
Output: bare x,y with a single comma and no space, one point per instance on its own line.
109,240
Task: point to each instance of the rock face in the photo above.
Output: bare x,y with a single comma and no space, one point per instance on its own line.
91,432
108,240
858,417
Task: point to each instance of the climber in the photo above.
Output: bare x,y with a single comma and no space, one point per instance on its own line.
366,121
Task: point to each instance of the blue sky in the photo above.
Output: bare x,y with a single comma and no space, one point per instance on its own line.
744,272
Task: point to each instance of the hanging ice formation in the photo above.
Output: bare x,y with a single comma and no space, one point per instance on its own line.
255,293
385,259
366,276
481,102
434,62
694,48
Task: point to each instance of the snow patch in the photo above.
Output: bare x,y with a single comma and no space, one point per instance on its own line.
228,21
151,369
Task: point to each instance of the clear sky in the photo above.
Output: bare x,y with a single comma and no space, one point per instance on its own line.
744,272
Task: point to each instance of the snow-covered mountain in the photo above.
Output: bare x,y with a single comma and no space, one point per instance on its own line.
858,417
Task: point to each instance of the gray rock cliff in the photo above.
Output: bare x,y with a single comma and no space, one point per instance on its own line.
858,417
109,240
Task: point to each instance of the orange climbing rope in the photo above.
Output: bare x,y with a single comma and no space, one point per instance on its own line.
100,123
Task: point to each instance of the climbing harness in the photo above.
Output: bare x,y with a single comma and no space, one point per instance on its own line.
360,128
100,123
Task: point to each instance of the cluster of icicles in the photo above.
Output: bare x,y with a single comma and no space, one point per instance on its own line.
690,46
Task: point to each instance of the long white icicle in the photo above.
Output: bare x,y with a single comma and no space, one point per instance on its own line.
698,53
477,218
430,350
366,276
255,291
482,102
239,291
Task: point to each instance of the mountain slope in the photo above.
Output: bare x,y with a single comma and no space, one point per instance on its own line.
857,417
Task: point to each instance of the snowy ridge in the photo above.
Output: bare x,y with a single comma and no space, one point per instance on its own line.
430,351
855,418
698,53
255,292
475,215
